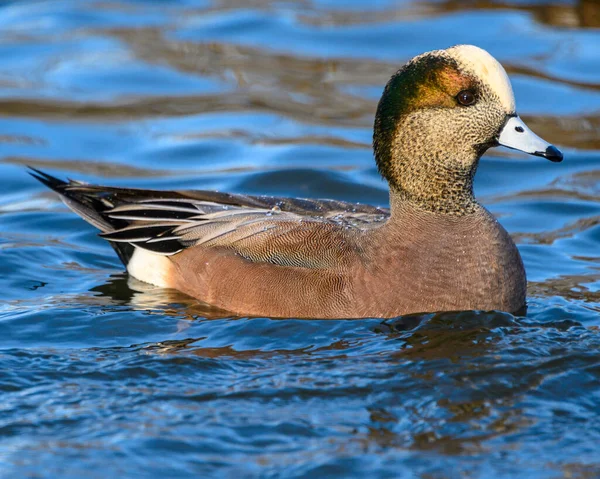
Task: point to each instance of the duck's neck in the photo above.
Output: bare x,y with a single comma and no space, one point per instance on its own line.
435,186
433,216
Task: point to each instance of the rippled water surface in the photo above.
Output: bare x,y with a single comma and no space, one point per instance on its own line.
101,375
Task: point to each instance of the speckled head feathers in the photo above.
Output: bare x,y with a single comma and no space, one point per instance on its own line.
436,117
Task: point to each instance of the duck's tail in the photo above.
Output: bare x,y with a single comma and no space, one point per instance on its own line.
87,204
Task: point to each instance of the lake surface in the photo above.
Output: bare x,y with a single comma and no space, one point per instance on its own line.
102,376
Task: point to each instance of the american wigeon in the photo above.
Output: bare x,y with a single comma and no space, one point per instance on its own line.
435,249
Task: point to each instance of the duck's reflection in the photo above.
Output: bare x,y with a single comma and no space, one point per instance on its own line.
450,335
123,289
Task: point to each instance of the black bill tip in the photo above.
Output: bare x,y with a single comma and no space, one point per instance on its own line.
552,153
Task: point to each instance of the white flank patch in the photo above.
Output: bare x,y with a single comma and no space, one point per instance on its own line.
150,267
483,65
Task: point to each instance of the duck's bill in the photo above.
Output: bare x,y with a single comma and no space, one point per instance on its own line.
518,136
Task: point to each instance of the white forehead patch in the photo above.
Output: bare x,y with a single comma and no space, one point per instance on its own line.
485,67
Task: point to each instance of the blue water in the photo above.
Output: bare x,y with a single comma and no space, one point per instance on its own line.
101,375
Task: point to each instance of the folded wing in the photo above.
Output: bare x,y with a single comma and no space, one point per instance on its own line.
285,231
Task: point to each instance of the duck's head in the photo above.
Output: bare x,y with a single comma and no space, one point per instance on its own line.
438,114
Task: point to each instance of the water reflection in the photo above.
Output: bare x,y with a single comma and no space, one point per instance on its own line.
123,289
484,389
578,14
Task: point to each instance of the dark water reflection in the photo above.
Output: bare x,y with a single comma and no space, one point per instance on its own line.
101,374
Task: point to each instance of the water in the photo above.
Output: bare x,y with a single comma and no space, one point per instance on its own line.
101,375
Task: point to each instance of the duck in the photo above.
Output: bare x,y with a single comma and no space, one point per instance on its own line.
436,248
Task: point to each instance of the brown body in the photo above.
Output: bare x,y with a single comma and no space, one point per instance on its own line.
413,263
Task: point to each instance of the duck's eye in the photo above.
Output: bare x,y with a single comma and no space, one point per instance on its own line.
466,97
